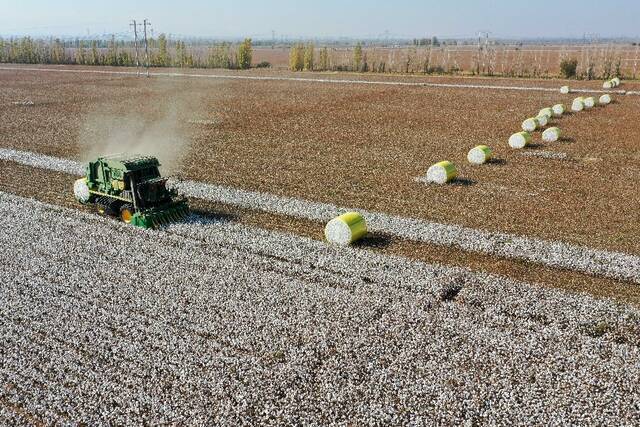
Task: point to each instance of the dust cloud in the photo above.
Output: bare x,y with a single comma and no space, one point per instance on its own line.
155,127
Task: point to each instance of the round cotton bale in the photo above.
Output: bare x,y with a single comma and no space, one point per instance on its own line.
442,172
479,155
558,110
546,112
346,229
608,84
530,124
616,81
542,120
565,90
551,134
520,140
605,99
578,104
589,102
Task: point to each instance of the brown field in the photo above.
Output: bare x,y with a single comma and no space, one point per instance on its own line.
354,145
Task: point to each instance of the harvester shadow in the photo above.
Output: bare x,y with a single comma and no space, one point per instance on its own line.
535,145
567,139
464,182
377,241
497,162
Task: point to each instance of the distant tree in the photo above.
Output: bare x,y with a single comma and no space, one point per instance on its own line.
324,59
245,54
57,52
2,50
435,42
568,68
164,59
112,52
296,57
81,54
95,55
308,57
357,57
219,56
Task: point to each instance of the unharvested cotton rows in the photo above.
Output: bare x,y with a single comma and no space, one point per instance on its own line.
216,323
609,264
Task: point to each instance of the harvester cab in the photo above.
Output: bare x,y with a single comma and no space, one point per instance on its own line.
130,187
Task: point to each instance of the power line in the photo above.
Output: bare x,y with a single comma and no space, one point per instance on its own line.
146,43
135,43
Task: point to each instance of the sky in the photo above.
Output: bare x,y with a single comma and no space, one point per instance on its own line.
326,18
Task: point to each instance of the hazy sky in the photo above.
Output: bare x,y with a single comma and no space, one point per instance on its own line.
405,18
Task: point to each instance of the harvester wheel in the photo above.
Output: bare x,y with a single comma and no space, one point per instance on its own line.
126,213
102,207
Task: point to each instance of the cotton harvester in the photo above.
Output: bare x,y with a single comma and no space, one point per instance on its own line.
131,188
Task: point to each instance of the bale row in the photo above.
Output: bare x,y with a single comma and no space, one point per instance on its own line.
610,84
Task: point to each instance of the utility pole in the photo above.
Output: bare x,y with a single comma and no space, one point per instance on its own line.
135,44
146,23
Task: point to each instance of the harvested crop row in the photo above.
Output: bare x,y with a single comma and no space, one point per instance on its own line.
216,323
608,264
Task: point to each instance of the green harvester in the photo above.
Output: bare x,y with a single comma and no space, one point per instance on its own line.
131,188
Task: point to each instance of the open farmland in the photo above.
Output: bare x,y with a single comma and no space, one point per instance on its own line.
509,296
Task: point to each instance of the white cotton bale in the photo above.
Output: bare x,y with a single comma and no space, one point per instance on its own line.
479,155
81,190
565,90
542,120
530,124
520,140
546,112
442,172
589,102
551,134
558,110
608,84
346,229
616,81
578,104
605,99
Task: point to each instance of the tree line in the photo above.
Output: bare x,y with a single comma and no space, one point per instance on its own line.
112,52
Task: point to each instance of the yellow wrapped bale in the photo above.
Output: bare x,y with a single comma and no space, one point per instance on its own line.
346,229
442,172
542,120
520,140
578,104
558,110
530,125
589,102
551,134
546,112
605,99
479,155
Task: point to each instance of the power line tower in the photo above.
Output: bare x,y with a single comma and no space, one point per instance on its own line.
134,24
146,23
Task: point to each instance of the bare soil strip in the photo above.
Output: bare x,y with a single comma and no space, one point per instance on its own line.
320,80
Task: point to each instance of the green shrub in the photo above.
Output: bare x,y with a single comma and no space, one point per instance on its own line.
568,68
